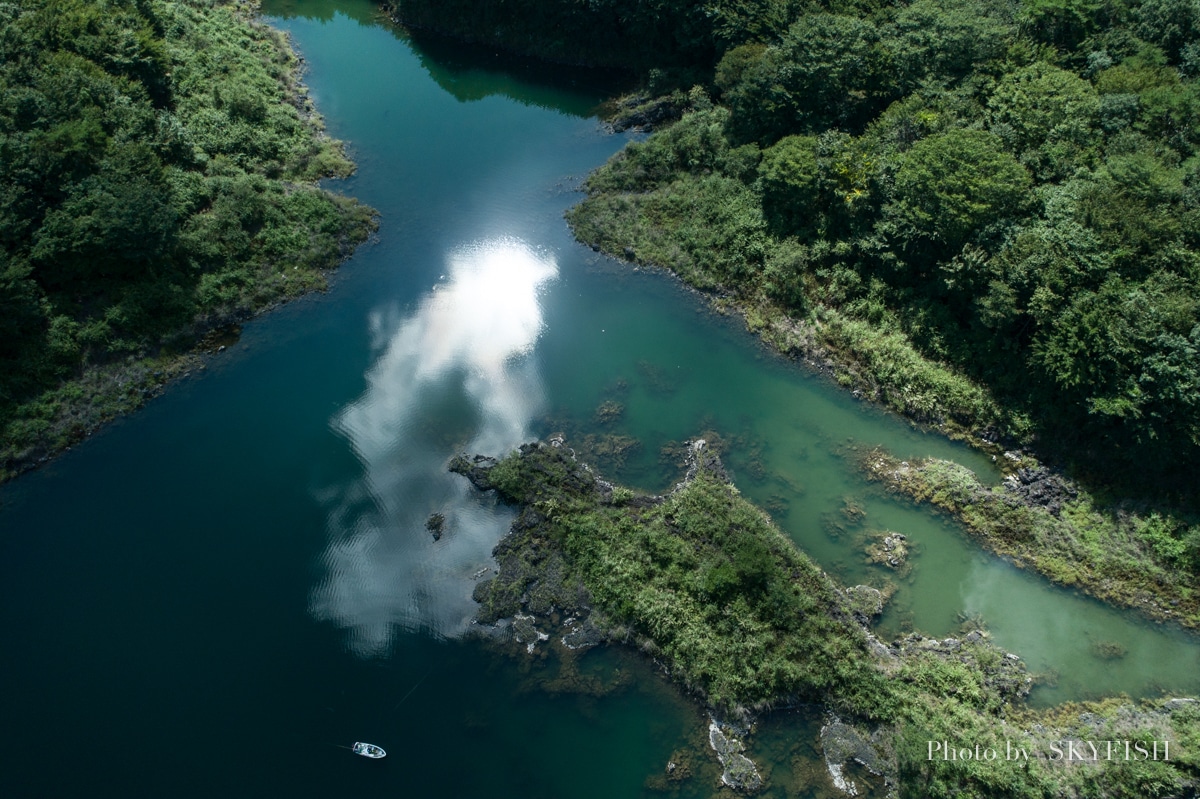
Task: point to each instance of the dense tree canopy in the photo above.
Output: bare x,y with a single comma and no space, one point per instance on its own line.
155,161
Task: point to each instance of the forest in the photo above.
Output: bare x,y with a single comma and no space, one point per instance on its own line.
988,210
157,183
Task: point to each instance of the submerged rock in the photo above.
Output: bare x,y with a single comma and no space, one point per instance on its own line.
740,772
1108,650
853,510
677,770
842,744
436,524
609,411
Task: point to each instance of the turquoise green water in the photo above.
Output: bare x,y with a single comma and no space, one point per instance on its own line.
215,594
793,439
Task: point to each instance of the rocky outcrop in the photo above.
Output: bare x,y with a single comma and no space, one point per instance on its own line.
1039,487
643,114
532,578
436,525
1007,674
474,469
581,633
701,456
526,632
865,602
891,550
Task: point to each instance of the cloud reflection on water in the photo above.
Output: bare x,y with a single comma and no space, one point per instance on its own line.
455,374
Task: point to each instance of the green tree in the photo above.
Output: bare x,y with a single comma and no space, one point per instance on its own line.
1129,353
1133,205
119,222
22,325
823,73
1040,265
1063,23
790,178
1170,24
1048,117
950,185
735,22
945,40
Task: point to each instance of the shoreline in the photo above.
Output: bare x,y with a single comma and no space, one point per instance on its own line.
1150,598
1017,519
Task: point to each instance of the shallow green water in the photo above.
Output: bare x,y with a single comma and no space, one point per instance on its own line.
213,595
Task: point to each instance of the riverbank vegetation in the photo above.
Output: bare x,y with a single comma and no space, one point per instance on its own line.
1145,561
157,184
704,583
741,615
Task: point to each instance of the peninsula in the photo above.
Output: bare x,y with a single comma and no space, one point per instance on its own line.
158,168
702,581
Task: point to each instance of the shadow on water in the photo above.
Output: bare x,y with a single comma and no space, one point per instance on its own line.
472,72
364,12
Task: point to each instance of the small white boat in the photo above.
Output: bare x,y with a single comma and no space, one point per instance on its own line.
368,750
